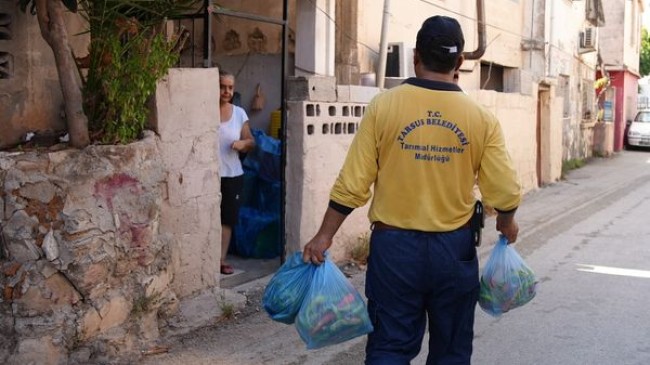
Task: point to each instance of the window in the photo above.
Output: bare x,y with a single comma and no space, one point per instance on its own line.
643,117
588,99
491,77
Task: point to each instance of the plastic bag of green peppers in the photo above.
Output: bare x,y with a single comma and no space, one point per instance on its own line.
507,282
333,310
287,288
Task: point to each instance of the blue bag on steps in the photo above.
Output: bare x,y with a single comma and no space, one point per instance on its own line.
507,282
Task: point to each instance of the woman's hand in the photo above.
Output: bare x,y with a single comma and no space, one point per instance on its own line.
240,145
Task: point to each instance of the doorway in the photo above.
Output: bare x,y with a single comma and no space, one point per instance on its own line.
251,42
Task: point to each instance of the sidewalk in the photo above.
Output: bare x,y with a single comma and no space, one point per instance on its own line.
252,338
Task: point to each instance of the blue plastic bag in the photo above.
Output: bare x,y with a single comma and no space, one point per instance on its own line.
507,282
266,158
257,234
333,310
286,290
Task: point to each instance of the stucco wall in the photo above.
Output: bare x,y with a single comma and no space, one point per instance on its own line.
503,32
186,117
314,157
632,25
619,38
611,35
626,103
31,100
517,114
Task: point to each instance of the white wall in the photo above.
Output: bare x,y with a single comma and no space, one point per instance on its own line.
314,159
632,35
504,20
519,122
612,35
186,118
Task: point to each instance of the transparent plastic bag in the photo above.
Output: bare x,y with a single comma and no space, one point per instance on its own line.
287,289
507,282
333,310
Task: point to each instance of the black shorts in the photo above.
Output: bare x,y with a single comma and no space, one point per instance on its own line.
231,189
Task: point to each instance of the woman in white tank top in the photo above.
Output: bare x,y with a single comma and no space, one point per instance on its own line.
235,137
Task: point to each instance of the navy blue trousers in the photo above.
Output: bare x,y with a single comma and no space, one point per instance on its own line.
414,276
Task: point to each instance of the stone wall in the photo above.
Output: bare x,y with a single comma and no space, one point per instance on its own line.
84,271
103,250
186,116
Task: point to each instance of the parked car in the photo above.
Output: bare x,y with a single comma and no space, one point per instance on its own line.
638,132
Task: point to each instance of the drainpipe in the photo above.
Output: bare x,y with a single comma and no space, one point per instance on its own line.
283,126
549,60
383,46
480,49
532,29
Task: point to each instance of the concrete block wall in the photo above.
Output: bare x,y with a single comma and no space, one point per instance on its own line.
319,135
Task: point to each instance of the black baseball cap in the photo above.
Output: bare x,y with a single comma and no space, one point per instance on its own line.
440,34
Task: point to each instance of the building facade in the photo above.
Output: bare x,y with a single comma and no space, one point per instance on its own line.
620,47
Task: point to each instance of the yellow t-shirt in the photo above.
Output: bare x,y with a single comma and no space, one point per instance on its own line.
423,145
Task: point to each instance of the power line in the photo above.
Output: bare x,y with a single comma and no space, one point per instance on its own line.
346,34
519,36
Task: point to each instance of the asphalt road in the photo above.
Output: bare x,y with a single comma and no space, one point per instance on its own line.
585,237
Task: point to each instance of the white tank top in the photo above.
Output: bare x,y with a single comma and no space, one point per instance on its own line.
229,132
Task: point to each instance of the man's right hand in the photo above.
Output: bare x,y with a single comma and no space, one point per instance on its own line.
507,225
314,250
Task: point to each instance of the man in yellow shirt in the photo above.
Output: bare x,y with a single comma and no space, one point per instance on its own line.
422,146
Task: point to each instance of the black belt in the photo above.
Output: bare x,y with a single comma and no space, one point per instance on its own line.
381,226
476,223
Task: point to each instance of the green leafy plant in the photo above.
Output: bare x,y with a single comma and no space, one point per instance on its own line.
129,53
116,96
144,304
644,55
572,164
361,249
227,308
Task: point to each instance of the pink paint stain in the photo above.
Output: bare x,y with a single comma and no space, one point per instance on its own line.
108,187
140,242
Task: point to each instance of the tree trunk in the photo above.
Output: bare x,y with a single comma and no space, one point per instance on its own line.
52,25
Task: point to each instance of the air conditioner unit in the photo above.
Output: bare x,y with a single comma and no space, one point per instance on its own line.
588,38
399,60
